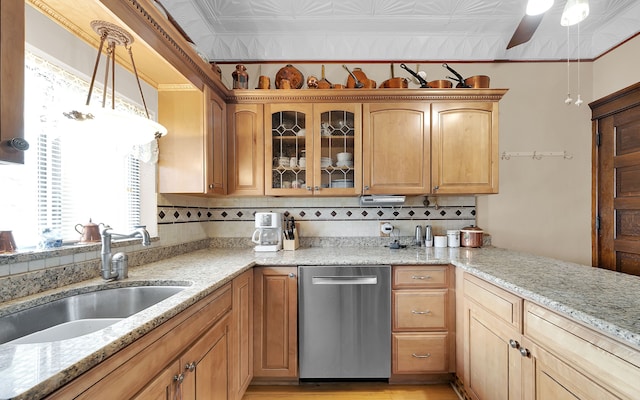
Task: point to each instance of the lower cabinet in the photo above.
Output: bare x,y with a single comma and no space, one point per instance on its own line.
513,349
423,326
241,359
275,324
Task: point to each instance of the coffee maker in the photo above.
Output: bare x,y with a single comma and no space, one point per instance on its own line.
268,233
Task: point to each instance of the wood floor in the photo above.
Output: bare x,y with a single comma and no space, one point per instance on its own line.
351,391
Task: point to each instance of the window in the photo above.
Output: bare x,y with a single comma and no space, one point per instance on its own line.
70,174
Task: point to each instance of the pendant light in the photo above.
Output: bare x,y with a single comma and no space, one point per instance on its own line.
575,11
124,127
537,7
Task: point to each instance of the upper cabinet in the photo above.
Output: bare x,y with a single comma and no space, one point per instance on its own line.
12,143
464,148
192,156
245,149
396,148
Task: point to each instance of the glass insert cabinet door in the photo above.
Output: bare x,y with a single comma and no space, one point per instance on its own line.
313,150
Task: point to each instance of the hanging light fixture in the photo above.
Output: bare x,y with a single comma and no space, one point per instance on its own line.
132,129
575,11
537,7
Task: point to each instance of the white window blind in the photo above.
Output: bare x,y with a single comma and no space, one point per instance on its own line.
70,174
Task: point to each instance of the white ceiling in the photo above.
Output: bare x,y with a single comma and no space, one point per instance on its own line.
403,30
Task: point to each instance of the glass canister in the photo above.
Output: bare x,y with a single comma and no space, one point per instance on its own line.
453,238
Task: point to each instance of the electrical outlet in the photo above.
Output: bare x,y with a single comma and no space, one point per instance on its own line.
385,229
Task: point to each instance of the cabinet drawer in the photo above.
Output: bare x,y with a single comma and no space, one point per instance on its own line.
502,304
420,309
420,276
606,361
414,353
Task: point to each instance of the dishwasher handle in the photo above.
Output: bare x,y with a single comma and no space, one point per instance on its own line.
344,280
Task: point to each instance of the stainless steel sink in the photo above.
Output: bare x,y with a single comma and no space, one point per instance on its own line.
80,314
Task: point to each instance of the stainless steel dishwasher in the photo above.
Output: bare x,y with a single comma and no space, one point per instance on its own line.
344,322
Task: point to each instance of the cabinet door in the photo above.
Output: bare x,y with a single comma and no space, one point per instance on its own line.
242,335
164,386
11,80
205,366
216,152
464,148
245,149
337,134
396,148
276,323
493,363
288,136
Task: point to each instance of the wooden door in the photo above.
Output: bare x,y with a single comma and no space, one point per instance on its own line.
11,79
275,323
245,149
242,335
216,157
464,148
396,148
616,179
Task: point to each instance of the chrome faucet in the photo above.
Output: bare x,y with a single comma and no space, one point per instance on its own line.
116,266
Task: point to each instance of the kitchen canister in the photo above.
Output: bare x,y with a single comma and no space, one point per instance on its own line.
439,241
453,238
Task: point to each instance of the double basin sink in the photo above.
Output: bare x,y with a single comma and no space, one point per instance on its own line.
79,314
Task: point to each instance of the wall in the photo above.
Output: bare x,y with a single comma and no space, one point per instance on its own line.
617,69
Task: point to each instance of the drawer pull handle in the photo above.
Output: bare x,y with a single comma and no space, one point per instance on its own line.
424,356
426,312
421,277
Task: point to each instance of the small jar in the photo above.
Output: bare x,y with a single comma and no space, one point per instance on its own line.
453,238
240,77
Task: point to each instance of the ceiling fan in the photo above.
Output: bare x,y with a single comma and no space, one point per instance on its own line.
574,12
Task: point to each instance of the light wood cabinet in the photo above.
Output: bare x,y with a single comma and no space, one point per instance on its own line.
245,149
464,148
515,349
241,359
396,148
193,154
275,324
12,81
423,328
143,366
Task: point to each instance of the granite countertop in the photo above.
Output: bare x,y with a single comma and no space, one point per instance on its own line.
602,299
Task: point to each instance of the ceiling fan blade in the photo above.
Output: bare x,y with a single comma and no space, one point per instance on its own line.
525,30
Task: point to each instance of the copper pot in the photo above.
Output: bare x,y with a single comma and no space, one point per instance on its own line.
90,232
471,236
440,84
477,82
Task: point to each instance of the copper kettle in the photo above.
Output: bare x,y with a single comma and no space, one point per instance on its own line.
90,232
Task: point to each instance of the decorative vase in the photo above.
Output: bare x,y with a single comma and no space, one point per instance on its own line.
240,77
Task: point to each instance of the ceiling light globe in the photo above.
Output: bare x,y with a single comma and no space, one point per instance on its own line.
575,11
536,7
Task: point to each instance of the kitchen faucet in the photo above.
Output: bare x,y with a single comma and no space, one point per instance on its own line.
117,266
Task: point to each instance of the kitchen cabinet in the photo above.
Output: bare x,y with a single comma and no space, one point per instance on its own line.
396,148
275,324
423,328
241,359
516,349
12,143
245,149
193,154
301,147
464,148
188,354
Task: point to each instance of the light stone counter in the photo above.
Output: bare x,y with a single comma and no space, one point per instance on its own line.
601,299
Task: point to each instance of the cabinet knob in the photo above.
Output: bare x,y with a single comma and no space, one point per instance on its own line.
309,188
212,186
18,144
514,344
316,188
435,188
525,352
419,356
366,188
292,275
190,366
178,378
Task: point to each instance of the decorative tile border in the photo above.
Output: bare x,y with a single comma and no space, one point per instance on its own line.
185,214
